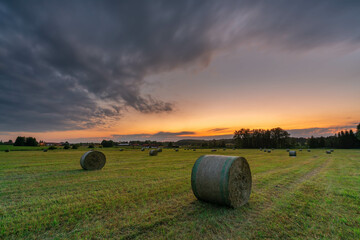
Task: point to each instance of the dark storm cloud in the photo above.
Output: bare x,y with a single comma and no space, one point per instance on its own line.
77,64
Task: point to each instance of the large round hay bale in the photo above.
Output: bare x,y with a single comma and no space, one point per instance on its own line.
328,152
225,180
93,160
292,153
153,152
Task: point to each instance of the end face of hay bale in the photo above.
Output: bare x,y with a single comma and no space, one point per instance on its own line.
93,160
224,180
292,153
153,152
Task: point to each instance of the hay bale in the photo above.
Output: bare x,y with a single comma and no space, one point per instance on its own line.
176,150
142,149
7,150
194,150
287,150
45,150
159,149
225,180
224,149
234,149
121,149
292,153
300,150
269,151
328,152
93,160
331,150
309,150
153,152
264,150
213,150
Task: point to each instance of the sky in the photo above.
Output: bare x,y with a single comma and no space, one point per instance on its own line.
83,71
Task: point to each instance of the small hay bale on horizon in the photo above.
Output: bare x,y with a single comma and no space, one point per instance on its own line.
328,152
213,150
93,160
292,153
153,152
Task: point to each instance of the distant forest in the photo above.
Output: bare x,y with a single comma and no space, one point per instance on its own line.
243,138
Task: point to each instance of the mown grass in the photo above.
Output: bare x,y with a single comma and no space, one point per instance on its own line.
46,195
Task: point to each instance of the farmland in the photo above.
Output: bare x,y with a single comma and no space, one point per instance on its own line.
46,195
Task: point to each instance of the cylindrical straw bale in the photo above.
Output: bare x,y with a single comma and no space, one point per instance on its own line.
153,152
265,150
288,150
93,160
225,180
328,152
300,150
142,149
121,149
269,151
194,150
309,150
176,150
292,153
213,150
331,150
159,149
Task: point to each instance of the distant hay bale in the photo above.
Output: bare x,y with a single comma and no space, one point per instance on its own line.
328,151
331,150
213,150
269,151
287,150
93,160
45,150
265,150
153,152
194,150
260,149
300,150
176,150
159,149
224,180
121,149
309,150
292,153
7,150
142,149
234,149
224,149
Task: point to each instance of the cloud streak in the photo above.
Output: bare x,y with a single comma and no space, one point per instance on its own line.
81,64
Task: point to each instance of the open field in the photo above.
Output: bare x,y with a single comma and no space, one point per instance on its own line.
46,195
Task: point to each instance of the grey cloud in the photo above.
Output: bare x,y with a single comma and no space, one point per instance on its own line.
217,129
159,136
77,64
317,132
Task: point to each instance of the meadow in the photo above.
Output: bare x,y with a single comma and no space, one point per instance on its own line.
46,195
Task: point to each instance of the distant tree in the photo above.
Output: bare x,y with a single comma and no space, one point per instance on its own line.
91,145
30,141
20,141
52,148
75,146
170,145
11,141
358,131
66,145
106,143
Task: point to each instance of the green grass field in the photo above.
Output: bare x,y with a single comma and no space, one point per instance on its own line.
46,195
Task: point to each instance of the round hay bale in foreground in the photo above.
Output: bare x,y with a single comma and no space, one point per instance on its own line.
225,180
292,153
93,160
153,152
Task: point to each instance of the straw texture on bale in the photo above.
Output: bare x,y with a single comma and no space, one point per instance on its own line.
93,160
224,180
153,152
292,153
